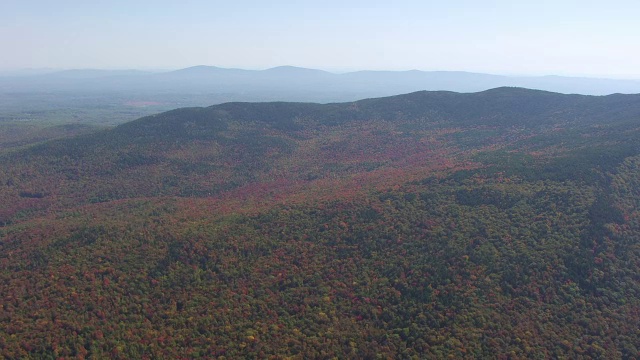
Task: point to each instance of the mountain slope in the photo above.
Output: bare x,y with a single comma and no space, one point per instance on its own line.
431,225
223,147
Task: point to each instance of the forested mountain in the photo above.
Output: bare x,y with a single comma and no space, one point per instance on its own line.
502,223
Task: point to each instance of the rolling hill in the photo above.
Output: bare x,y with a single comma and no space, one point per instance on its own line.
501,223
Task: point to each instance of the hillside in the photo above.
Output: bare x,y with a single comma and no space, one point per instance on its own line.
431,225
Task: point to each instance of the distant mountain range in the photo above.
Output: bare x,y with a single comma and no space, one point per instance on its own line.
109,97
299,84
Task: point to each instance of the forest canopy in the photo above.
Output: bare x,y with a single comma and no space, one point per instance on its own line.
501,224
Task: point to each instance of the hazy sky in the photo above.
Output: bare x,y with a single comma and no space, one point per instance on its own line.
562,37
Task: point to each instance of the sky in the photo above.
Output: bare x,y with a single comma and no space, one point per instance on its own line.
560,37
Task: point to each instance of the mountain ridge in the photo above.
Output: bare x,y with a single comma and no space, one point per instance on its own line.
425,225
113,97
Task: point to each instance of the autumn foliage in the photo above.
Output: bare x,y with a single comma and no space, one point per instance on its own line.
502,224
